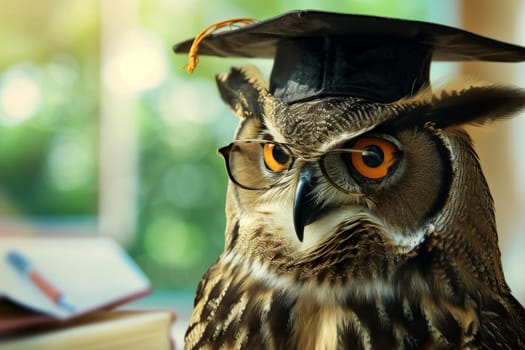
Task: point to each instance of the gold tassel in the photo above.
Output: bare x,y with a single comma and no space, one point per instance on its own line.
193,59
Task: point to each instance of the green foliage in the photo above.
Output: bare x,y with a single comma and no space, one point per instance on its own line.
48,156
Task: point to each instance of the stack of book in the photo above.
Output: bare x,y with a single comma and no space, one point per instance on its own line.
71,292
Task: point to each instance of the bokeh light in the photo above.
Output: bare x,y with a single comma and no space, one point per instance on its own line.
174,242
185,184
194,100
20,94
136,63
69,160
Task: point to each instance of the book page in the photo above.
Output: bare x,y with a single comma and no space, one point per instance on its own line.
118,329
91,272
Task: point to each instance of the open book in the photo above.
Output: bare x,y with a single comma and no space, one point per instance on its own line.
94,274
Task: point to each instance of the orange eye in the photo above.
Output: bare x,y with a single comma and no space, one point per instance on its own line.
381,156
276,158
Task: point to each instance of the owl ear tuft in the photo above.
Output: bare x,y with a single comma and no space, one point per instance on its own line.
475,105
243,90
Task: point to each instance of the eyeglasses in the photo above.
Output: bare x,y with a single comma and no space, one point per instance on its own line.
260,164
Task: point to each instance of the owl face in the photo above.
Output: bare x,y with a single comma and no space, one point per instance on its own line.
314,172
306,176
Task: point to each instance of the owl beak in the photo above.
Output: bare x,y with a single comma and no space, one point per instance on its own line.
304,205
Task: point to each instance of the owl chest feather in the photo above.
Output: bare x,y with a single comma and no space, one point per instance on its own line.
237,309
341,297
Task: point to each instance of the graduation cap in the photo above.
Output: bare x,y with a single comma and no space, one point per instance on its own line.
320,54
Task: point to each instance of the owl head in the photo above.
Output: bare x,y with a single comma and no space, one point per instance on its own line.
304,174
347,164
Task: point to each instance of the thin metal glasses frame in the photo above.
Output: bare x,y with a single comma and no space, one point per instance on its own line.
226,152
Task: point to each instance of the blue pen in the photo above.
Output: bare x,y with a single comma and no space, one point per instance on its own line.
23,266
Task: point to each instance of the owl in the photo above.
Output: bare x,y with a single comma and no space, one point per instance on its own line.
358,216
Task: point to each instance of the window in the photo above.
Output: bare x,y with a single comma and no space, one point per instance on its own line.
49,106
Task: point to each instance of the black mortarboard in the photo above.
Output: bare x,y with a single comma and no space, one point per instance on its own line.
331,54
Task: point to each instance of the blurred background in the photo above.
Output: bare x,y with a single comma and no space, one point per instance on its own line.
102,133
